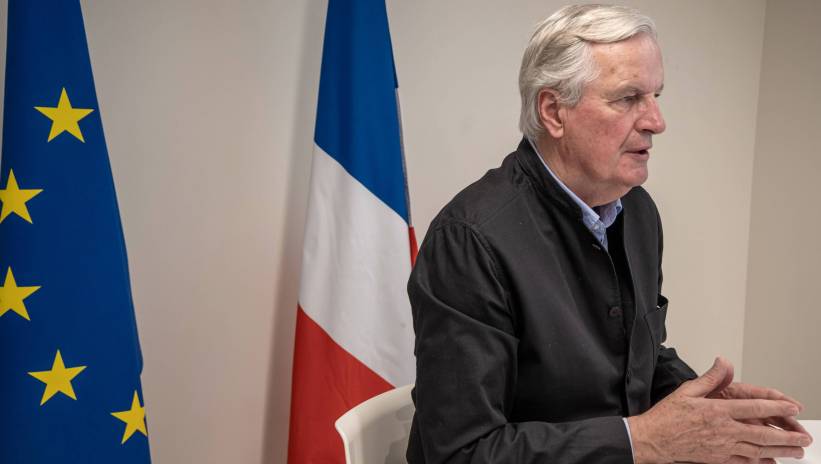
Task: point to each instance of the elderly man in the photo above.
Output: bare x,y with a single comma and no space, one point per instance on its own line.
537,297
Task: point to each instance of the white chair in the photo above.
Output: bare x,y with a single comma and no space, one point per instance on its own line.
376,431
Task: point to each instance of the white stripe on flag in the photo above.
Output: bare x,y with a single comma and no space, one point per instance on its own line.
355,266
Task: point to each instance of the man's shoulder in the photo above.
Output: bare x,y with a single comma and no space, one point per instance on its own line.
639,199
485,198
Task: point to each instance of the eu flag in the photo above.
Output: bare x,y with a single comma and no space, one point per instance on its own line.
70,359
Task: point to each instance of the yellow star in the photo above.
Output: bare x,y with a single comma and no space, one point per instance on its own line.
58,379
134,418
64,117
14,199
12,296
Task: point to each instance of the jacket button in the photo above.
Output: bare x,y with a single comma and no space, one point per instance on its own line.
628,377
615,311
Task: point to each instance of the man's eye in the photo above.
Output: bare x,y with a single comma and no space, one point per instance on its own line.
627,99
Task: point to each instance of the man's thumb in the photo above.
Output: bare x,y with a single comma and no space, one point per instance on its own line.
715,379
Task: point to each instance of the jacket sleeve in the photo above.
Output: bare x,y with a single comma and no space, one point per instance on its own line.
670,373
466,361
670,370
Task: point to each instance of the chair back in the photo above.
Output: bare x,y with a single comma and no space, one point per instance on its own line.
376,431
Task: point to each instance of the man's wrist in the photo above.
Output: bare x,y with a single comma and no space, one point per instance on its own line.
644,450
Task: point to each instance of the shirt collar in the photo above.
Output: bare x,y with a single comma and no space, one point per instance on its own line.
607,214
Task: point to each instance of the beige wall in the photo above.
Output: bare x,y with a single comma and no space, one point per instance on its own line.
783,314
209,109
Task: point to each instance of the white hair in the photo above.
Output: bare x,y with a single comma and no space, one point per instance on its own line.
558,55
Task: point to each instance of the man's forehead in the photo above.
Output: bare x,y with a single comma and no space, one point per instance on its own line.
635,62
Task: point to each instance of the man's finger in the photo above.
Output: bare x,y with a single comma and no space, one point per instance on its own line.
759,409
755,421
761,452
725,382
747,391
717,377
746,460
737,460
787,423
770,436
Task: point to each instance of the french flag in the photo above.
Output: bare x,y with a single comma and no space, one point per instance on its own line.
354,333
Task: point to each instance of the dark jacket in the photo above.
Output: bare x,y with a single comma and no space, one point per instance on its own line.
532,341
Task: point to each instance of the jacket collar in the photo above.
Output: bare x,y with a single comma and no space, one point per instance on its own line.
542,181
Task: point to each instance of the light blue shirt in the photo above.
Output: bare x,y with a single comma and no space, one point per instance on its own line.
597,222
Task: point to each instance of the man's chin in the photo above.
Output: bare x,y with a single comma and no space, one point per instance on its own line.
636,177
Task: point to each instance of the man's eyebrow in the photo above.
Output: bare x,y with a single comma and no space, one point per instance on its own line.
630,89
626,90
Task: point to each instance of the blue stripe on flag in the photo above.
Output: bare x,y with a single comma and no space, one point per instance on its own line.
357,120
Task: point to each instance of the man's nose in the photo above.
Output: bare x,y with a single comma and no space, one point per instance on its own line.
651,120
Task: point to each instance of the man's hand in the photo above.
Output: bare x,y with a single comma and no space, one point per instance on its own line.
729,390
688,426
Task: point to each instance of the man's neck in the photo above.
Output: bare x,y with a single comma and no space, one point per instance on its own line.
569,176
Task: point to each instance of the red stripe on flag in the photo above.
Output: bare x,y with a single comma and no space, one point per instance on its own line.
327,382
413,248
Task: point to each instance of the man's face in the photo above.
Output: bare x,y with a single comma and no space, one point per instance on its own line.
607,135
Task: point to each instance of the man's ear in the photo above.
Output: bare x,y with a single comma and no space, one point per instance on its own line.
550,113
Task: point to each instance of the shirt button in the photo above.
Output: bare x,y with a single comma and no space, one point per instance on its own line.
615,311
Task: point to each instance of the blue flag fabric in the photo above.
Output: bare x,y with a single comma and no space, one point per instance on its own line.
357,121
70,359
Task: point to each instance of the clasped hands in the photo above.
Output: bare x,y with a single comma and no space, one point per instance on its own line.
712,419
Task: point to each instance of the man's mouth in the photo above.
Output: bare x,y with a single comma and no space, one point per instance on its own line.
640,152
